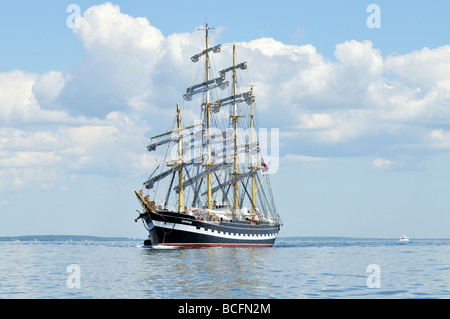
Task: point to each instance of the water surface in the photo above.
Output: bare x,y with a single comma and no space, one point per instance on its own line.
294,268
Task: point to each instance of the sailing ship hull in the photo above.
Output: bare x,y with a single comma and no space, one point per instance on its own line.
173,229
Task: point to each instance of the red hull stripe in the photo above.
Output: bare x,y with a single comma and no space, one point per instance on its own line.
215,245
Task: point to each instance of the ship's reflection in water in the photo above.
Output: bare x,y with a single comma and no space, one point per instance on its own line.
206,272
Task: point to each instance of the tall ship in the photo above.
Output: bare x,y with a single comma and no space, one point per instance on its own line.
210,185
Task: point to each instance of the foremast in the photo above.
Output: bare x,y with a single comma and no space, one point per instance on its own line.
208,116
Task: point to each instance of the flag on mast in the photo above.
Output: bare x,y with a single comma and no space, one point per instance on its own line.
265,168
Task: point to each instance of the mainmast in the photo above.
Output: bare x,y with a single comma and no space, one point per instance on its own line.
235,118
235,99
205,87
208,117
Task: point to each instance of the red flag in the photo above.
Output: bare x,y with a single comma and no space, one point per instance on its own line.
265,168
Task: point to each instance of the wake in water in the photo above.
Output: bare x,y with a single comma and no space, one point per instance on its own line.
157,247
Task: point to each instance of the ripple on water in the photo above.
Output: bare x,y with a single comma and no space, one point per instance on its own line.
317,269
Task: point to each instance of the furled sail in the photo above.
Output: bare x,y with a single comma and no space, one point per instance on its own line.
234,99
205,86
196,178
151,181
241,66
215,49
153,146
239,149
177,130
232,181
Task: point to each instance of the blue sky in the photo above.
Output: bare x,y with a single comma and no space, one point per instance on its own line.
364,121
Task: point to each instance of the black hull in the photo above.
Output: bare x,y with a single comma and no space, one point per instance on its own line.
173,229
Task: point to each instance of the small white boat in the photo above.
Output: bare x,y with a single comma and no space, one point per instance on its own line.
404,238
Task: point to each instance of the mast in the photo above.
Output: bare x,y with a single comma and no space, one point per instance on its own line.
180,156
208,115
205,87
235,117
252,166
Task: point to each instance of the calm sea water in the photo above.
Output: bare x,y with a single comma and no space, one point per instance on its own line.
294,268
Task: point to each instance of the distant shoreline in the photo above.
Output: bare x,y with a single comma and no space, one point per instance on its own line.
63,238
99,238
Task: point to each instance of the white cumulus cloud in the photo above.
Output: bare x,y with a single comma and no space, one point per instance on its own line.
131,76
